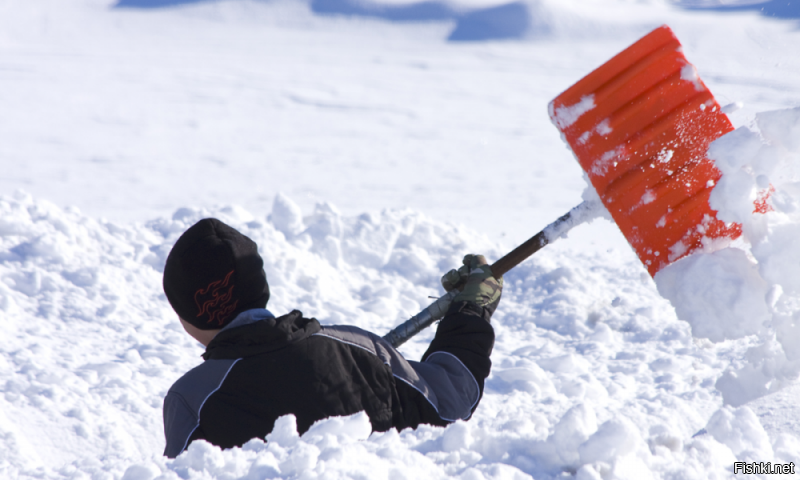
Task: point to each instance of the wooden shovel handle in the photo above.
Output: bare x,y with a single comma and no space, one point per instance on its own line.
536,242
519,254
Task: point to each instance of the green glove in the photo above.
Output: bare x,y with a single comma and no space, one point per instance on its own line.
475,282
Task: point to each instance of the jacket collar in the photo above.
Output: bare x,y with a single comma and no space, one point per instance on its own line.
249,316
259,332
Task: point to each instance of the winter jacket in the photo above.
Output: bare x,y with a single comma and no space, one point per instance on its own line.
259,368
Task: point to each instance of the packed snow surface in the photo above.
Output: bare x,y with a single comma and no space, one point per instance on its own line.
366,154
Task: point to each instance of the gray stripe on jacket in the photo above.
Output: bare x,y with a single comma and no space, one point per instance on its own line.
442,379
185,400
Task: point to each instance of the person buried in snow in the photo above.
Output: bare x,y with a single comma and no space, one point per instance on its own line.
259,367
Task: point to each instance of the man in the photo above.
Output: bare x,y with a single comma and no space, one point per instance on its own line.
258,367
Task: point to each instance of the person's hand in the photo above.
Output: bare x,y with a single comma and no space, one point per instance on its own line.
475,283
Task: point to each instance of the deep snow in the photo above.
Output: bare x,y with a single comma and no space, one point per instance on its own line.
593,371
397,153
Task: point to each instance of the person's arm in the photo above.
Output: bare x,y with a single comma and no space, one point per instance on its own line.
465,334
186,398
180,422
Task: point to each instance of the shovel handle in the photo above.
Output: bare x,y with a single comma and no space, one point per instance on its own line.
522,252
583,212
554,231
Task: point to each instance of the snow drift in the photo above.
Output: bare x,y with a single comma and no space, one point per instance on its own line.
593,373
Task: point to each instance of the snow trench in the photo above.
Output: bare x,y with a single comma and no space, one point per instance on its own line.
594,376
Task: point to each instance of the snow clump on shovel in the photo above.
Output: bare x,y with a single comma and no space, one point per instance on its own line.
750,288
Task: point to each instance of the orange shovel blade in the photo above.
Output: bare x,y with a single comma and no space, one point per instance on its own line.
640,126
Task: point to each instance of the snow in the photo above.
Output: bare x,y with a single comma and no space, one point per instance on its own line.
749,288
689,74
567,115
608,159
366,154
720,294
742,289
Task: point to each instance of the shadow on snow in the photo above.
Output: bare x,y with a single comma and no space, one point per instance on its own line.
154,3
509,21
786,9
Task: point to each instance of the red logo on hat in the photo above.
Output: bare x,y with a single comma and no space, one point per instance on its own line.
215,300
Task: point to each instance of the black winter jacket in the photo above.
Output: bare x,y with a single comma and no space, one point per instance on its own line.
259,368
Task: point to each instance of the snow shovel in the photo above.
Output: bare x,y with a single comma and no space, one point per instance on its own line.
640,126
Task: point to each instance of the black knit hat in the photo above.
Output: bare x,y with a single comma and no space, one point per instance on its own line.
213,273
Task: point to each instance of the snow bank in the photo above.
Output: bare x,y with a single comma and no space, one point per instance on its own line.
593,374
343,448
91,346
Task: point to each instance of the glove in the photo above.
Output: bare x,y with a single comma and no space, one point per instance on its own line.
475,283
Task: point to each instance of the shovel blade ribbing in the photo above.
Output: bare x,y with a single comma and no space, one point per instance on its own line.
640,126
